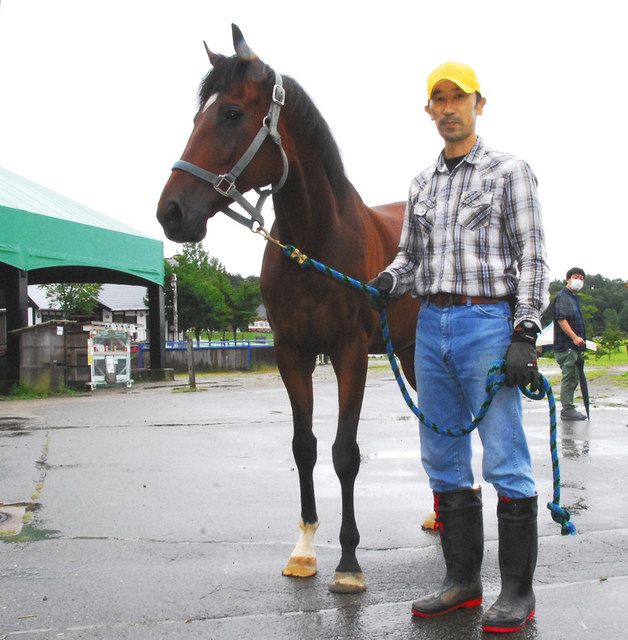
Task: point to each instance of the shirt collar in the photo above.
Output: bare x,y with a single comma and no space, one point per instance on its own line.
473,157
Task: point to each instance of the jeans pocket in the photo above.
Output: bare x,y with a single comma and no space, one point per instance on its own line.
493,311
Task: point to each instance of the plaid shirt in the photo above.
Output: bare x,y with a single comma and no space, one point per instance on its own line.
470,231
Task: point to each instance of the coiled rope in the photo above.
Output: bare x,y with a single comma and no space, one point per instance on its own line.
495,380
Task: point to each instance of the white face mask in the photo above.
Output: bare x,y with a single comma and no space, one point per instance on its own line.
575,284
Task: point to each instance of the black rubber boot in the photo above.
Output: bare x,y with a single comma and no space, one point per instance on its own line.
459,522
518,544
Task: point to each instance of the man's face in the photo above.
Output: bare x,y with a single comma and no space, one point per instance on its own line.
454,111
576,282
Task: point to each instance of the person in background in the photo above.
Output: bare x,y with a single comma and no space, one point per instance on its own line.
472,249
569,339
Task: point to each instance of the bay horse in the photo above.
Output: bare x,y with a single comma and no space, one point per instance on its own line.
319,211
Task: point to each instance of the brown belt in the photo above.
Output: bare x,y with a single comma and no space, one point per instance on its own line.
442,299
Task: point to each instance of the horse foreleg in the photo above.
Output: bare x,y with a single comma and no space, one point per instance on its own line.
350,364
302,561
296,371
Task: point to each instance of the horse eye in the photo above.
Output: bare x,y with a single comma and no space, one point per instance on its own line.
232,114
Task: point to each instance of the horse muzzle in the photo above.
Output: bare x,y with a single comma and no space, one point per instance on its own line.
180,226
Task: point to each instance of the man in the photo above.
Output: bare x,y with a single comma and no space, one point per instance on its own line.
569,338
472,222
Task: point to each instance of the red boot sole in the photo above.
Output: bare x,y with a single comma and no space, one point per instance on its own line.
509,629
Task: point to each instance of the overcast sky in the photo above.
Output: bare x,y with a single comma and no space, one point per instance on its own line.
98,100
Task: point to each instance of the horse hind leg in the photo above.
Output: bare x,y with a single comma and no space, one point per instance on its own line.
296,371
406,358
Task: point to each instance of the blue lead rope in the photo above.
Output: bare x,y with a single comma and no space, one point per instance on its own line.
495,380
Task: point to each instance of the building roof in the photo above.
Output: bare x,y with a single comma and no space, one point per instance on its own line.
122,297
41,229
115,297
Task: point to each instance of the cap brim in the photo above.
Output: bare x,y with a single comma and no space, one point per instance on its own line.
465,87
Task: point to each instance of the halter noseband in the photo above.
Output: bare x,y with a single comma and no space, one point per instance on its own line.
225,183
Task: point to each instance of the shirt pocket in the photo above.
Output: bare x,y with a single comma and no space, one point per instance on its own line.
474,211
424,210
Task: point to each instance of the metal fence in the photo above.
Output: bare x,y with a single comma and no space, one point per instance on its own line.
214,354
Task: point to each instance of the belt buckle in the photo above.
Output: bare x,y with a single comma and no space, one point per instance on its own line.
442,299
448,299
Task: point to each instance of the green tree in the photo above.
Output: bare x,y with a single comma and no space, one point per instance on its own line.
623,318
605,294
611,319
610,342
243,304
74,299
203,288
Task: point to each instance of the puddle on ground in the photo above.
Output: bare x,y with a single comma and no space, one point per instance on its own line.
13,426
17,522
395,455
17,525
578,505
572,448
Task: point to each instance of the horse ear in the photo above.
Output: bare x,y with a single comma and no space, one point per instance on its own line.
214,58
239,44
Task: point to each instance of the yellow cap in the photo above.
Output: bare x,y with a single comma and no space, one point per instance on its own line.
460,74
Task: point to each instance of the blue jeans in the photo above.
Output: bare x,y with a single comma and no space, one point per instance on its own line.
455,347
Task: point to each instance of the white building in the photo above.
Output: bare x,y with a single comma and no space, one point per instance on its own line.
118,303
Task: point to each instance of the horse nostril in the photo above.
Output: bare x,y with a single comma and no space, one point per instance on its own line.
173,215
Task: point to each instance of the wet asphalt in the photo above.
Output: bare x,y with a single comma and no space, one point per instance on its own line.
158,514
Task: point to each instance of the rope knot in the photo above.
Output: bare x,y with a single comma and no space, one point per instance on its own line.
562,517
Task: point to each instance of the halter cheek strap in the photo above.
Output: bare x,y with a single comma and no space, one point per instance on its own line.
225,184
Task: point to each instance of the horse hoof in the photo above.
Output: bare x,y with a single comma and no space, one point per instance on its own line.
429,524
348,582
300,567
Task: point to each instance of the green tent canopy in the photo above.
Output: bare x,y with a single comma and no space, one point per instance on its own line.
41,229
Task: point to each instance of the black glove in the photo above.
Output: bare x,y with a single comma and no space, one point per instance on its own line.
521,365
384,283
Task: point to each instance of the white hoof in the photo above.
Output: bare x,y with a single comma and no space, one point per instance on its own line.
348,582
302,562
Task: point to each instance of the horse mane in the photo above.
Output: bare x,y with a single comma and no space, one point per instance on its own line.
299,107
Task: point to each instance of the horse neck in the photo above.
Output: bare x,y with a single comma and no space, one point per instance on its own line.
308,211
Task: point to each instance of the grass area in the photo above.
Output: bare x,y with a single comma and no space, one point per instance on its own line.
615,359
595,374
620,379
24,392
240,335
595,369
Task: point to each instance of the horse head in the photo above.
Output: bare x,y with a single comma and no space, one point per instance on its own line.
220,158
